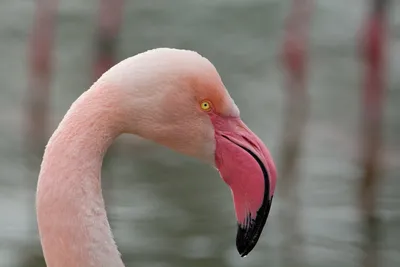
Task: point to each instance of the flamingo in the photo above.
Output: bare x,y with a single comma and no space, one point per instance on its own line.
172,97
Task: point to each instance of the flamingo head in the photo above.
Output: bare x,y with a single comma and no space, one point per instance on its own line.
181,102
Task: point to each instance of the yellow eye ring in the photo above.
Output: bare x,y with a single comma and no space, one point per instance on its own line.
205,105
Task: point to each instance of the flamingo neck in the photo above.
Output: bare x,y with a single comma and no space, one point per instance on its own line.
72,220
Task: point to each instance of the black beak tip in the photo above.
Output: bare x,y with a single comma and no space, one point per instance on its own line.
245,240
243,250
248,235
243,254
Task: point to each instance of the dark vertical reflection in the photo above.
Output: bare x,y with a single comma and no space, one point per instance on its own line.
373,48
109,19
40,48
295,58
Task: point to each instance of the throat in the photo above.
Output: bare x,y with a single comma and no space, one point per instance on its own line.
72,220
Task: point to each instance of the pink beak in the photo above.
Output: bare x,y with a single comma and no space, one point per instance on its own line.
246,165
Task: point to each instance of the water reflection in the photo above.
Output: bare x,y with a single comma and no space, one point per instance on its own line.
167,210
371,244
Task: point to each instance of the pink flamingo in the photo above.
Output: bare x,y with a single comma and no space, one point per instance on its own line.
173,97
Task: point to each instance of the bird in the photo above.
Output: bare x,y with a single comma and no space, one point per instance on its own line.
173,97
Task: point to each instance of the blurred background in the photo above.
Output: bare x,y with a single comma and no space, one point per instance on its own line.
316,80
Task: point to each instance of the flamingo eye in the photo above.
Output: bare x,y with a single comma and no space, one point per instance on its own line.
205,105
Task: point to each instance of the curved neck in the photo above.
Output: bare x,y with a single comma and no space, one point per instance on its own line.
72,220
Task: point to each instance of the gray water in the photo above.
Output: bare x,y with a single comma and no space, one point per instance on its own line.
169,210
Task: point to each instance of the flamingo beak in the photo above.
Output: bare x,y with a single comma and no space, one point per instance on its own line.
246,165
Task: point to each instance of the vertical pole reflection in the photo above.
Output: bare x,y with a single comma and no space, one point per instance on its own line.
38,94
294,59
372,46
